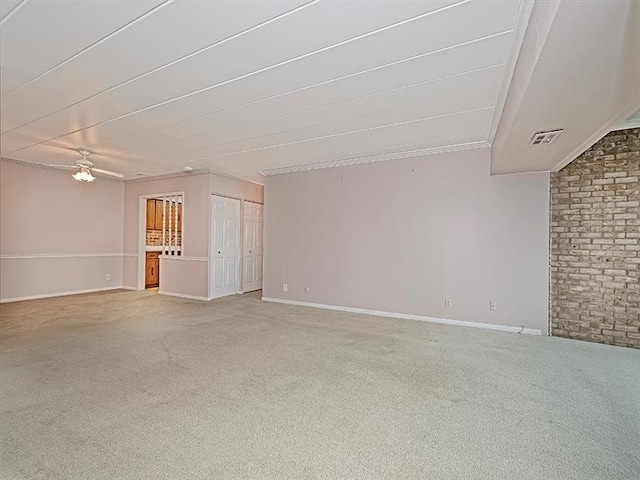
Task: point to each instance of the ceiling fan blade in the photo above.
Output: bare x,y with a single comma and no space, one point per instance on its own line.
107,172
63,167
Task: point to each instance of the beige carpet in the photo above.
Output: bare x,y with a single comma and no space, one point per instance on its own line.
133,385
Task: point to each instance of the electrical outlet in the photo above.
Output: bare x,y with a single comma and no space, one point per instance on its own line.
447,303
493,306
108,276
285,287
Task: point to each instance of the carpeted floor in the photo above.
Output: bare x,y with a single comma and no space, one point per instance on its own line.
133,385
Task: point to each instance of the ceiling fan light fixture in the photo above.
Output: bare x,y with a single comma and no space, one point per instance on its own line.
84,175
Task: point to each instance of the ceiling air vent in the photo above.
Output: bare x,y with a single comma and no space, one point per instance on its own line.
546,137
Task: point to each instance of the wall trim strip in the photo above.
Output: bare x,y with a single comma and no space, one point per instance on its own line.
60,294
180,257
405,316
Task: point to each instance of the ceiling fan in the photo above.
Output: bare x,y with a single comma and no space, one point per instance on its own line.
86,169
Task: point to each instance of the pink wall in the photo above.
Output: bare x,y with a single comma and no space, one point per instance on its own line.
57,235
401,236
189,274
195,231
185,277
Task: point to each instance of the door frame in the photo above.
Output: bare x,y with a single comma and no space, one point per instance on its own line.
142,233
241,263
242,252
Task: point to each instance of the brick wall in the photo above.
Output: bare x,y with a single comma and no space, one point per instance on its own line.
154,238
595,243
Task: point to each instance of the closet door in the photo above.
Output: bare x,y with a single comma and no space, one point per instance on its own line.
252,247
225,247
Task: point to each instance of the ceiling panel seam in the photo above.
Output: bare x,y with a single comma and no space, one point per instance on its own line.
329,122
154,70
261,70
13,11
334,135
86,49
181,97
316,107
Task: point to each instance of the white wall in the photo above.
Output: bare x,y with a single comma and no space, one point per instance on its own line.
57,235
400,236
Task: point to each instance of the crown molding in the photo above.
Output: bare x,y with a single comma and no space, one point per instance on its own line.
150,178
375,158
194,172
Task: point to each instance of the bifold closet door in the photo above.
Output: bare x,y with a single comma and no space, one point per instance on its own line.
252,246
225,247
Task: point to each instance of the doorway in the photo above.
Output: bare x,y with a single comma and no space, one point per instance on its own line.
160,228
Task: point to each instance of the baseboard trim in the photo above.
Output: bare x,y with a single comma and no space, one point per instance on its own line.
405,316
59,294
183,295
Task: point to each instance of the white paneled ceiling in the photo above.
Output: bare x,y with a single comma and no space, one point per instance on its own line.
248,86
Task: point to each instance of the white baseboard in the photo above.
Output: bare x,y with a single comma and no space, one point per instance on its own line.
184,295
59,294
422,318
196,297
